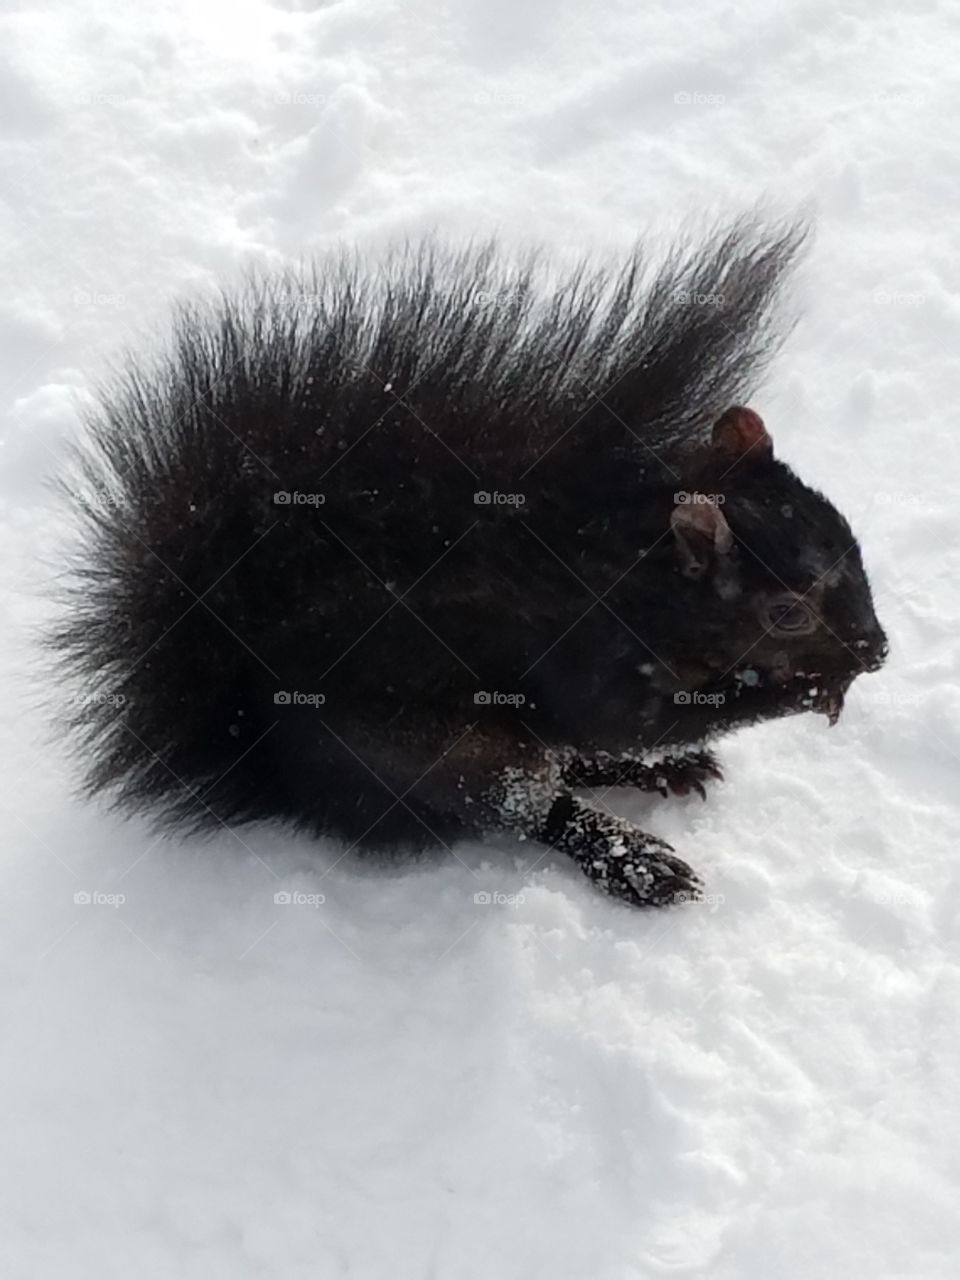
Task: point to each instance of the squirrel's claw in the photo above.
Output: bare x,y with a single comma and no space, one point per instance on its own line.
680,775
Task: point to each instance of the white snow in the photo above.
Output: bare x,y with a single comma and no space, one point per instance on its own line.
399,1081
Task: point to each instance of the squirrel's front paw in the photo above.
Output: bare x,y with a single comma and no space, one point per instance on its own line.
645,872
619,858
680,775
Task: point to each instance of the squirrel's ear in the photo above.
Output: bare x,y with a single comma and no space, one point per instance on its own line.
701,532
739,432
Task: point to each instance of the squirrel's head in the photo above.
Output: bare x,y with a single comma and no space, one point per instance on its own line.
770,576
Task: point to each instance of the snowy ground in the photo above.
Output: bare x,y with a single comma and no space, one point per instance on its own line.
400,1084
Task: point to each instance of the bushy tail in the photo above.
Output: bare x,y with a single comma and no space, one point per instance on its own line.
183,563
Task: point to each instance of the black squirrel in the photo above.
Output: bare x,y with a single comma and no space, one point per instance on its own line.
433,548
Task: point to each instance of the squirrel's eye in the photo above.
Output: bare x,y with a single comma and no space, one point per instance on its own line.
790,615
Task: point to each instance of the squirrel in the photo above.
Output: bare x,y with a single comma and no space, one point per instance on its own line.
446,544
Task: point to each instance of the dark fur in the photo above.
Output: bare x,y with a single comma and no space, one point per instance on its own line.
398,393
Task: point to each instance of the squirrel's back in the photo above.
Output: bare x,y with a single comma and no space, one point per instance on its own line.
355,495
